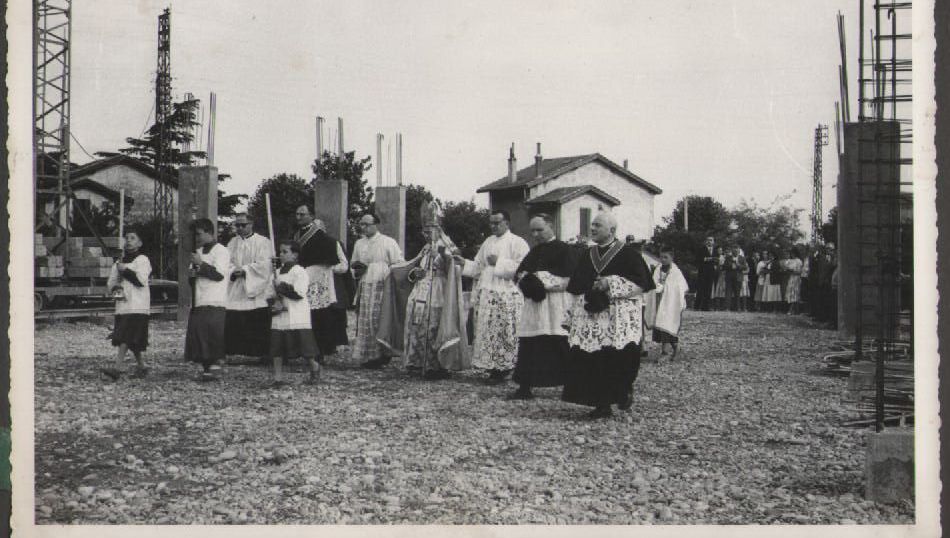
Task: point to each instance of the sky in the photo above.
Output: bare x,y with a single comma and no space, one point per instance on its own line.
707,98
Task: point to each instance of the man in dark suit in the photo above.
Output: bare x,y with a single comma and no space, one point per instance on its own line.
707,274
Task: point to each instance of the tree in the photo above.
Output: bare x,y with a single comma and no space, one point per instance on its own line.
104,220
287,193
416,195
466,225
359,194
227,203
750,227
829,228
707,217
179,128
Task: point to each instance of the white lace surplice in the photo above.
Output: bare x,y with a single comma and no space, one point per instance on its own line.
546,317
322,292
617,326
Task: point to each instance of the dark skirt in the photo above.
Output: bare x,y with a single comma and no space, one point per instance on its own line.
292,343
131,330
246,332
542,361
663,337
601,378
329,329
204,339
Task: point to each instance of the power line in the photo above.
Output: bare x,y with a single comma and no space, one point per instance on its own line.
147,118
76,140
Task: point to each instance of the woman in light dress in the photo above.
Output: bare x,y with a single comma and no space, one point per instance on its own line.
793,272
719,286
771,285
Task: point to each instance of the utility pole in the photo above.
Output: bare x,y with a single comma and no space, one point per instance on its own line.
821,140
162,194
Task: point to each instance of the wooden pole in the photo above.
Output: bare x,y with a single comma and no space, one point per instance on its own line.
122,219
270,225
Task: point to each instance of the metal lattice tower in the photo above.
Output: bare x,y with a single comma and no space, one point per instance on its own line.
51,73
821,140
162,209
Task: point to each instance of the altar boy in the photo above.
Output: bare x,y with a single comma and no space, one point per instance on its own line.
204,340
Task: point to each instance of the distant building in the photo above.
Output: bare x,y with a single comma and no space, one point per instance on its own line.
572,190
121,172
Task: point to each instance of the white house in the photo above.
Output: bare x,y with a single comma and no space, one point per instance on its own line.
572,190
121,172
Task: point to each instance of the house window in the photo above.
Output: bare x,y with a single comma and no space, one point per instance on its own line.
585,221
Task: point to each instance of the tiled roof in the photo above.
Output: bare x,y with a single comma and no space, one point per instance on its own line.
566,194
552,168
90,168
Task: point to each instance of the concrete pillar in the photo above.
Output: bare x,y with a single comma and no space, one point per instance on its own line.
330,205
889,469
865,167
197,199
391,210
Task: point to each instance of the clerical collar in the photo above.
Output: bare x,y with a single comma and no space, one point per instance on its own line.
607,245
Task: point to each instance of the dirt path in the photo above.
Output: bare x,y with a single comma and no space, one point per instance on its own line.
740,431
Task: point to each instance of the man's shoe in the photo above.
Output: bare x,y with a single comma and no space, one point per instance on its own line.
436,375
205,377
376,364
627,401
111,373
600,412
521,394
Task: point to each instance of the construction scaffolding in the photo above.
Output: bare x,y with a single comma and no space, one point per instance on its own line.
51,54
882,176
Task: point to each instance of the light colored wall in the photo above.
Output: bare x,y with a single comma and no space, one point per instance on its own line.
571,214
136,184
95,199
634,214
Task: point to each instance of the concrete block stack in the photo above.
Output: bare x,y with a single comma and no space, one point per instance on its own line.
86,257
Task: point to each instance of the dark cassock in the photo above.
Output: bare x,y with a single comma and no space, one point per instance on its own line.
322,257
345,288
606,327
542,340
707,276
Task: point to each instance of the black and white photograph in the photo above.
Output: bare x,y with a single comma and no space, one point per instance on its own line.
547,267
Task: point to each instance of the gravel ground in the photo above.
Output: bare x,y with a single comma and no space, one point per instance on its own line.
740,430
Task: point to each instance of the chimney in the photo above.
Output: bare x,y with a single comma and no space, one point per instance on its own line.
512,165
537,162
626,164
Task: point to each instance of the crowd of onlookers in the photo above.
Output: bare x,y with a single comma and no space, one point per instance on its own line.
798,280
